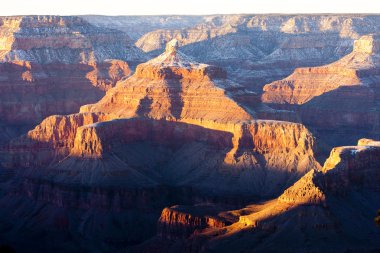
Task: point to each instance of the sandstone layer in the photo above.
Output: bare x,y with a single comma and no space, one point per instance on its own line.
337,101
53,65
178,222
258,49
166,160
174,102
170,133
322,209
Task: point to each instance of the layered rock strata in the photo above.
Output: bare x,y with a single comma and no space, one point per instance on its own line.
338,201
174,102
174,124
53,65
339,99
259,49
178,222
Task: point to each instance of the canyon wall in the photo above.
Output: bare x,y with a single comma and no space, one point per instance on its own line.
53,65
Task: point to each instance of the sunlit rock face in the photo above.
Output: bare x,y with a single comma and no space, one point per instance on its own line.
49,39
53,65
175,102
170,132
179,222
174,87
308,83
258,49
339,98
354,165
338,202
176,157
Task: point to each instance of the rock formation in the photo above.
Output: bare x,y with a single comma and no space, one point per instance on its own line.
338,99
49,39
53,65
257,49
306,84
174,102
182,156
178,222
172,124
330,206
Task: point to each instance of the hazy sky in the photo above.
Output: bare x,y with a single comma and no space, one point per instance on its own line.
153,7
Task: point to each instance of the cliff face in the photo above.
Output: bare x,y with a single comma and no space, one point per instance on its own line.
173,86
180,131
179,222
49,39
31,92
341,95
347,26
53,65
307,83
354,165
53,139
174,123
181,106
259,49
329,202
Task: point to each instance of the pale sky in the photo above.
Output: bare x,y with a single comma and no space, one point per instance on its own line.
193,7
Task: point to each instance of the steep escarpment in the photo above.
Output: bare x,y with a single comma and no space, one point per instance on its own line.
31,92
346,26
173,133
258,49
173,86
179,222
187,109
307,83
332,206
53,65
48,39
339,99
51,140
258,156
354,165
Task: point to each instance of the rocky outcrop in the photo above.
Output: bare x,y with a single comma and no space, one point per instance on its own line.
284,149
52,65
173,86
304,191
307,83
341,94
321,202
174,123
173,102
179,222
49,39
52,140
353,165
259,49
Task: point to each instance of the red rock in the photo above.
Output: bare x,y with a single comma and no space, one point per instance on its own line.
182,221
53,65
173,111
340,94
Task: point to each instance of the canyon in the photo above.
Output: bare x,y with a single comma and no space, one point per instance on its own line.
340,95
219,133
53,65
